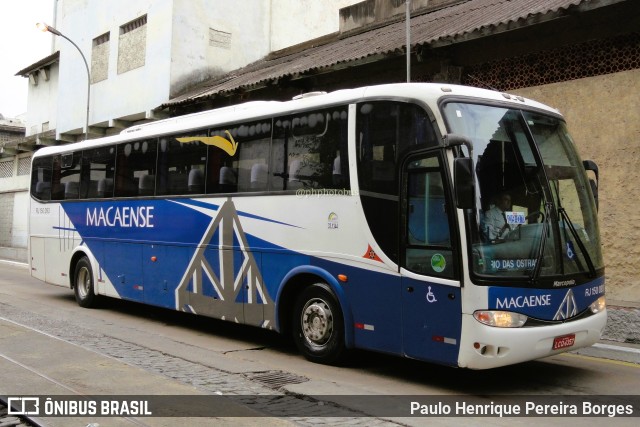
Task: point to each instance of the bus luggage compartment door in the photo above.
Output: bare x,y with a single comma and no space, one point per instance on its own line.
164,266
122,266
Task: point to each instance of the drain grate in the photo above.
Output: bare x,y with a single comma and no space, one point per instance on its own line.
275,379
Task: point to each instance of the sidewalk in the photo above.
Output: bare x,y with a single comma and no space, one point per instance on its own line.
621,337
623,324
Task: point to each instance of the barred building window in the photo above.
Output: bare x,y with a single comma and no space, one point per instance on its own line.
6,169
24,166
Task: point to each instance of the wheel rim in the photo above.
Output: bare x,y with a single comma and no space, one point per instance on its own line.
83,283
317,322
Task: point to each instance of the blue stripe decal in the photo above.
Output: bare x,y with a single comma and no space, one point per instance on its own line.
64,228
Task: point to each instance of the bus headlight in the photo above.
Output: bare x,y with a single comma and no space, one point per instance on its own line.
500,319
598,305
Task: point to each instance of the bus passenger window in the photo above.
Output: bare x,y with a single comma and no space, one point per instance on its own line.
135,168
182,160
66,177
252,165
41,178
237,157
307,148
97,173
385,130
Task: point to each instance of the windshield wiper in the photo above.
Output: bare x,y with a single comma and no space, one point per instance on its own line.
543,242
565,217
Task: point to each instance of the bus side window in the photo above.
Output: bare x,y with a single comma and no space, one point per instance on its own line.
136,168
310,150
238,156
41,178
385,130
71,164
97,173
253,172
65,177
182,161
57,189
250,167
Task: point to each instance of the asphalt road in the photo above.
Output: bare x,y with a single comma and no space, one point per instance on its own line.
49,345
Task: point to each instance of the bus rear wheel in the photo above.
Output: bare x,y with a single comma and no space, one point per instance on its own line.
83,284
318,325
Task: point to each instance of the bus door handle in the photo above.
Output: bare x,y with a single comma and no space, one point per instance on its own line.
410,289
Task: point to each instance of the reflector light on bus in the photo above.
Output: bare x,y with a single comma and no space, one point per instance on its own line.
364,326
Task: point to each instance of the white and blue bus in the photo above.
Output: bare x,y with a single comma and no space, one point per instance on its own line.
362,218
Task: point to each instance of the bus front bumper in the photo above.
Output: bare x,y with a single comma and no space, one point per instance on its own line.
484,347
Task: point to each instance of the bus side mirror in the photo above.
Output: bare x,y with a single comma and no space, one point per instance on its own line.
590,165
464,183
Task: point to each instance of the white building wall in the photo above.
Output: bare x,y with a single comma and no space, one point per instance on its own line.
187,42
129,95
15,182
297,21
14,205
19,232
42,102
212,38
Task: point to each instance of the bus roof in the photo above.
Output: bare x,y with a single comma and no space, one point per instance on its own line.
430,93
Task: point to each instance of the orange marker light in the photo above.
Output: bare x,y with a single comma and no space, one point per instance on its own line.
154,259
343,277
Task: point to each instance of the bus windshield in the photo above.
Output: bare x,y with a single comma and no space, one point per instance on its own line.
535,217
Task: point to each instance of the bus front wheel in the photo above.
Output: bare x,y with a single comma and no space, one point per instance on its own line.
318,325
83,284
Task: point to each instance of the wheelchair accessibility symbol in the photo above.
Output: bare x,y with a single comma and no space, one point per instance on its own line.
431,298
571,253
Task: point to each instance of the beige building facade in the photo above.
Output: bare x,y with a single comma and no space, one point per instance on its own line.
600,113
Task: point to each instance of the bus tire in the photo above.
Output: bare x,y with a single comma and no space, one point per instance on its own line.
83,284
318,325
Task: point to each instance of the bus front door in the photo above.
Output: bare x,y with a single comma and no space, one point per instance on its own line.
431,304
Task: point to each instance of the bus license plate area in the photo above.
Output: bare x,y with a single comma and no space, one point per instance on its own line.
564,341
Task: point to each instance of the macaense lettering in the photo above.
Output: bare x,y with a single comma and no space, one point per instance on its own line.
524,301
125,216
